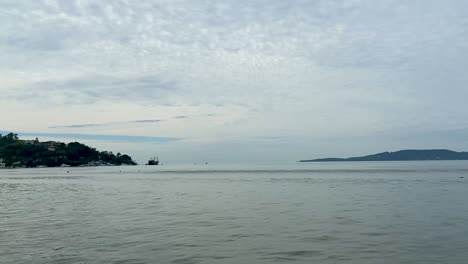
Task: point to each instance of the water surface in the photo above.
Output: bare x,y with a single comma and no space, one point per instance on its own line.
360,212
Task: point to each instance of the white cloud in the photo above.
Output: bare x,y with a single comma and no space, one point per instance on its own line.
299,70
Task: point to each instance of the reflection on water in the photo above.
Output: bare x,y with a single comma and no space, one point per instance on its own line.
395,212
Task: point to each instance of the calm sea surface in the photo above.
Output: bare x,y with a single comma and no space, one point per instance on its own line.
393,212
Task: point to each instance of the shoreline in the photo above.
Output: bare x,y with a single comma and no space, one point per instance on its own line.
67,167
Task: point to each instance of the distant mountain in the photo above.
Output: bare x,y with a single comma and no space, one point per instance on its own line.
402,155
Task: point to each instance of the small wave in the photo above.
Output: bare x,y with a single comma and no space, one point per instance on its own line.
298,253
320,171
46,178
374,234
324,238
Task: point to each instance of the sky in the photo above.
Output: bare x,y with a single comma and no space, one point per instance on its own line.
236,81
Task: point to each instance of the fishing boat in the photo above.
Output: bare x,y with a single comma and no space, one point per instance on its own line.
153,161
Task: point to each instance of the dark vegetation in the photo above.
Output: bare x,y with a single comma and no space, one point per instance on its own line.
33,153
404,155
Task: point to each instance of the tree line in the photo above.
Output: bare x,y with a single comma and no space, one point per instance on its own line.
27,153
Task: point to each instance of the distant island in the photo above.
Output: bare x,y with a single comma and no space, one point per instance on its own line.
403,155
18,153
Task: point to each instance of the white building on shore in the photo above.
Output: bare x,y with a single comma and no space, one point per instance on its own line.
2,164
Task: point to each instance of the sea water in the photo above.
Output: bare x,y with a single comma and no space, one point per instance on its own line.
349,212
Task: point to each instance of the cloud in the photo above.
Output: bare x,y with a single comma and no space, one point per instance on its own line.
148,121
114,138
90,89
80,125
305,70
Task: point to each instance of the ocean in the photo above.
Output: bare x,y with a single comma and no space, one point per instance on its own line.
348,212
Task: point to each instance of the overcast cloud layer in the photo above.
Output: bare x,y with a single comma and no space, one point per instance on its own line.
237,80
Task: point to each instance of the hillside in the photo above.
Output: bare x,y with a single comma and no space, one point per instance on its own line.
16,152
403,155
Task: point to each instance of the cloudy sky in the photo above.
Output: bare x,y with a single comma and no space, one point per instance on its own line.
244,80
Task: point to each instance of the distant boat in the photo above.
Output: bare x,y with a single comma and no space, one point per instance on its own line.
153,161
